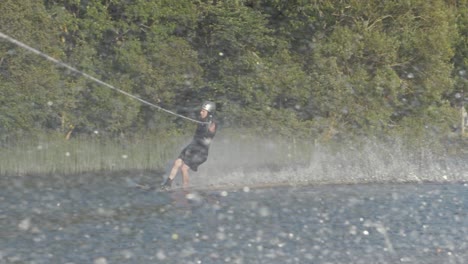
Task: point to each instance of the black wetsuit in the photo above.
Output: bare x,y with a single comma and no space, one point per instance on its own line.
196,152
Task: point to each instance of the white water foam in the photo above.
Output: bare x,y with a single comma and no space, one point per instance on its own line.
244,164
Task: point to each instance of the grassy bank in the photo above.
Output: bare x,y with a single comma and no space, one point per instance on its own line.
54,154
231,150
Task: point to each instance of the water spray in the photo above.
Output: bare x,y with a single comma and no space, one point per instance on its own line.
60,63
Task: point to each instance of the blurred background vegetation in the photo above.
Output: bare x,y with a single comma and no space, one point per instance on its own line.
316,70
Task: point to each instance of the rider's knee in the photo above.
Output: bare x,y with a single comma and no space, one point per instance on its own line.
185,168
178,162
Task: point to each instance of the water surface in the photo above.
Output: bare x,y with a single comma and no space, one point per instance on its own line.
102,219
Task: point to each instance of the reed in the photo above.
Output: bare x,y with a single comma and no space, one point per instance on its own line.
232,149
52,154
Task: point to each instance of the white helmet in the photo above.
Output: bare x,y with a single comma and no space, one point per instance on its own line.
209,106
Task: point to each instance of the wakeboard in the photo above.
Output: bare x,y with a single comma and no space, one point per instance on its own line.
156,188
220,187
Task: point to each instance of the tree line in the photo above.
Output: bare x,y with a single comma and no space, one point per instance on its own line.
317,68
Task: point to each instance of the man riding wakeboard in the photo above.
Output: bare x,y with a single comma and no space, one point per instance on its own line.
195,153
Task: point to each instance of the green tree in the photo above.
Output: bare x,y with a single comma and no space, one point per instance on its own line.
137,47
386,61
29,93
246,66
460,59
308,66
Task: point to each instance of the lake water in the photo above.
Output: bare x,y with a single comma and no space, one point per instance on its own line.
102,219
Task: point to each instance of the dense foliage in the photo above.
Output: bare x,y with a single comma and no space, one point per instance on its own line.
309,68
